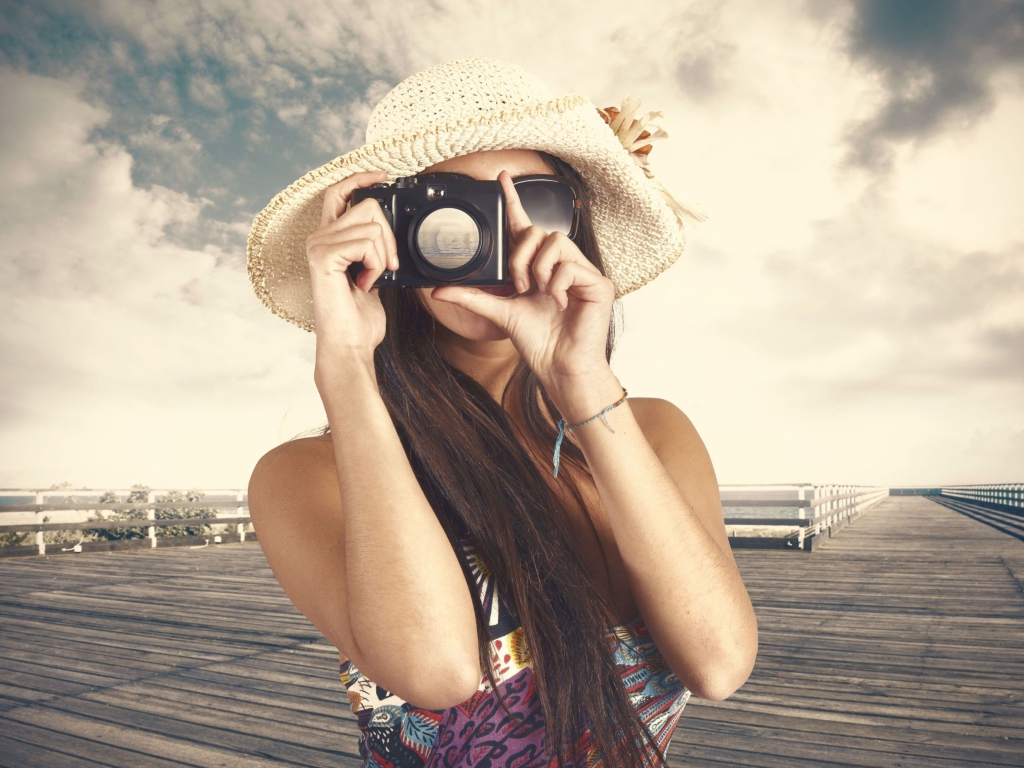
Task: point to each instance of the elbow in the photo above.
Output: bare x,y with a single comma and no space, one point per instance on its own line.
718,688
720,680
447,690
428,678
421,679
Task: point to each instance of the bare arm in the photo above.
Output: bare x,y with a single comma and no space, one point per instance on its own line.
381,581
663,505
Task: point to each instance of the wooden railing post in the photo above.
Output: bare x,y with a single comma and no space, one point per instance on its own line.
151,514
40,542
238,510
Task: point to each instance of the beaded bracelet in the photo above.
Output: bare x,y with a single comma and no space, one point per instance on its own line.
562,426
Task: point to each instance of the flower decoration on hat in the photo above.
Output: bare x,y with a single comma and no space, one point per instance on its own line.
632,133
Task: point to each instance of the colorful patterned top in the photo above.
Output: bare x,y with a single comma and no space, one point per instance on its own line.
396,734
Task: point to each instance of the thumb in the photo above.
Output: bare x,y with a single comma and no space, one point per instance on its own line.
473,299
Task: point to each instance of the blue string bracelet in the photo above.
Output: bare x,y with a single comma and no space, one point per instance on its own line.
562,426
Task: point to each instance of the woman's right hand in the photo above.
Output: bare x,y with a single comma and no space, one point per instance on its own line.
347,313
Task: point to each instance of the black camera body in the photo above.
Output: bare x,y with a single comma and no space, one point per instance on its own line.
449,230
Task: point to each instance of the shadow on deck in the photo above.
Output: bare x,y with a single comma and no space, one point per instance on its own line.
898,643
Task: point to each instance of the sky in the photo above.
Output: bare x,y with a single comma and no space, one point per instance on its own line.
850,312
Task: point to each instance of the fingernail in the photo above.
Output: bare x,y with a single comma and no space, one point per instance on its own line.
520,287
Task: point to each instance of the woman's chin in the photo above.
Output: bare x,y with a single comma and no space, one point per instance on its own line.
459,321
481,329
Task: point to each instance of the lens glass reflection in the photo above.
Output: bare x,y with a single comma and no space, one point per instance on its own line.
448,238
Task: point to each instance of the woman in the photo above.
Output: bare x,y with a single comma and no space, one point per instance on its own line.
508,581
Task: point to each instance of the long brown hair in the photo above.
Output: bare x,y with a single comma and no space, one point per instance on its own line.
475,461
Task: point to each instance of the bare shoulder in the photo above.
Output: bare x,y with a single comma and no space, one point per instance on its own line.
675,440
648,412
669,430
298,445
659,419
295,507
304,465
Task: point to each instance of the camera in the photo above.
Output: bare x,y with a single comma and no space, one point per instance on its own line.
449,230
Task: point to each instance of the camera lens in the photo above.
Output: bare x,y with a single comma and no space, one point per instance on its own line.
448,238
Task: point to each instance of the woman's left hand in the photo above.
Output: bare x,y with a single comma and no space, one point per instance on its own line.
559,325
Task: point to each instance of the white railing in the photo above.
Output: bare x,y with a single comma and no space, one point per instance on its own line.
1002,494
796,516
33,514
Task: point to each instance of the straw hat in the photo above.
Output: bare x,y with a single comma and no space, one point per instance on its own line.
470,105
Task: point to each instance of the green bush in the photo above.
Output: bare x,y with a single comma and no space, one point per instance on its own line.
173,513
14,539
139,493
67,538
70,537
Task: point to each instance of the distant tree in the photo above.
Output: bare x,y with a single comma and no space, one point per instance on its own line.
64,538
177,513
14,539
138,494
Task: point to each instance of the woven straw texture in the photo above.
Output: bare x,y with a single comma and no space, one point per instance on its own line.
452,109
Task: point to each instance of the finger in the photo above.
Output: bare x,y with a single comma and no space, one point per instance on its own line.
373,261
365,212
522,254
479,302
336,196
327,258
572,277
557,248
374,265
518,221
371,230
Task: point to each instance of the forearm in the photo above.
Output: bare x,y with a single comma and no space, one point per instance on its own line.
408,600
687,588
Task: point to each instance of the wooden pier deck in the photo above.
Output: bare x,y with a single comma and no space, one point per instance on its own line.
898,643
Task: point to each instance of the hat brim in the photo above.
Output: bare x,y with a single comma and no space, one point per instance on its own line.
638,233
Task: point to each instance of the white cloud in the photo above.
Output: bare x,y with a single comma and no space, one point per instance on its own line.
205,91
43,130
821,326
126,358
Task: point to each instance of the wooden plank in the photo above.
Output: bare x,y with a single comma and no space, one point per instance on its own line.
865,748
144,742
23,745
19,754
875,650
711,716
126,716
